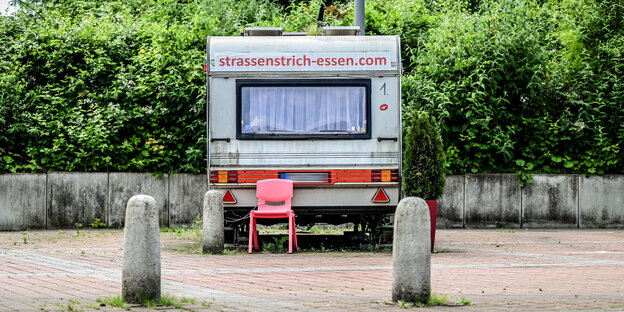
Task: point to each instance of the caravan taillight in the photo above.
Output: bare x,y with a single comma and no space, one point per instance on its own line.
222,177
225,177
394,175
375,175
232,176
384,175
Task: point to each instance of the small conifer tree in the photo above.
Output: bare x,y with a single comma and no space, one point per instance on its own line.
423,158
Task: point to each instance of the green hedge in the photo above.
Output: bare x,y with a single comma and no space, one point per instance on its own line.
110,85
516,85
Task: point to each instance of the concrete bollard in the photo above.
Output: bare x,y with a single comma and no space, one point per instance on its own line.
411,251
212,228
141,251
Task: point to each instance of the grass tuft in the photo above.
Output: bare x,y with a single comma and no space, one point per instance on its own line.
437,300
148,302
170,301
114,301
464,301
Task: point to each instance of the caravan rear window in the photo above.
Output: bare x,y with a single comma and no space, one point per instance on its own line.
283,109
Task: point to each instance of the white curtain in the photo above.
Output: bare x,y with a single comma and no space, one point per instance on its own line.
305,109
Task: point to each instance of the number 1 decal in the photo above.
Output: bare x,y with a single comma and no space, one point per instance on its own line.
383,87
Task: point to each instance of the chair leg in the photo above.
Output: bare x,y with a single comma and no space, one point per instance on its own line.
251,231
295,233
255,233
290,235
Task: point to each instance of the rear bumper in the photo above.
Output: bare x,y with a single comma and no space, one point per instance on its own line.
346,198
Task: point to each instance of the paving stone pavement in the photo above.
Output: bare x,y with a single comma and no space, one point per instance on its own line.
496,270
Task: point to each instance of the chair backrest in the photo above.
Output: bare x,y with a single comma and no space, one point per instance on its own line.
274,191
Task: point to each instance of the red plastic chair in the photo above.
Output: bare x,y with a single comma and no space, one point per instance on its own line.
274,198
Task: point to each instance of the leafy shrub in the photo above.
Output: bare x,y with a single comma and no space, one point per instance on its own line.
97,223
411,20
110,85
521,86
524,87
423,158
302,16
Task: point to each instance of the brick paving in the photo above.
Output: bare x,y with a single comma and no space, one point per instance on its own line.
515,270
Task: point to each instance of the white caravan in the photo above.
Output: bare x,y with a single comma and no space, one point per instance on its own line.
323,111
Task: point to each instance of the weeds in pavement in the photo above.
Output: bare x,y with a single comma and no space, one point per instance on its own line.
170,301
437,300
434,300
326,229
277,246
506,231
190,232
188,300
464,301
72,308
114,301
229,252
97,223
323,249
147,302
25,237
165,301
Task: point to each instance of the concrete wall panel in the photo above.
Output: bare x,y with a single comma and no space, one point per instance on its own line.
451,205
76,198
492,200
124,185
551,201
601,201
22,201
186,197
60,200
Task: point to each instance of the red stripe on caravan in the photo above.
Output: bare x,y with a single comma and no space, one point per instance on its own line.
253,176
351,176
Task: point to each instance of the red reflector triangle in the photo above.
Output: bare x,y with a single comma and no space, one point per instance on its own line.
380,196
228,197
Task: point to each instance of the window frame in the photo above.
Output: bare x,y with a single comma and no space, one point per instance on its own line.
240,83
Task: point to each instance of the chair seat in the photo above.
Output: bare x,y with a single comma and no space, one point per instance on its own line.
271,214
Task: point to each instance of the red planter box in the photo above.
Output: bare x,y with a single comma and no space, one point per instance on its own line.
433,212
